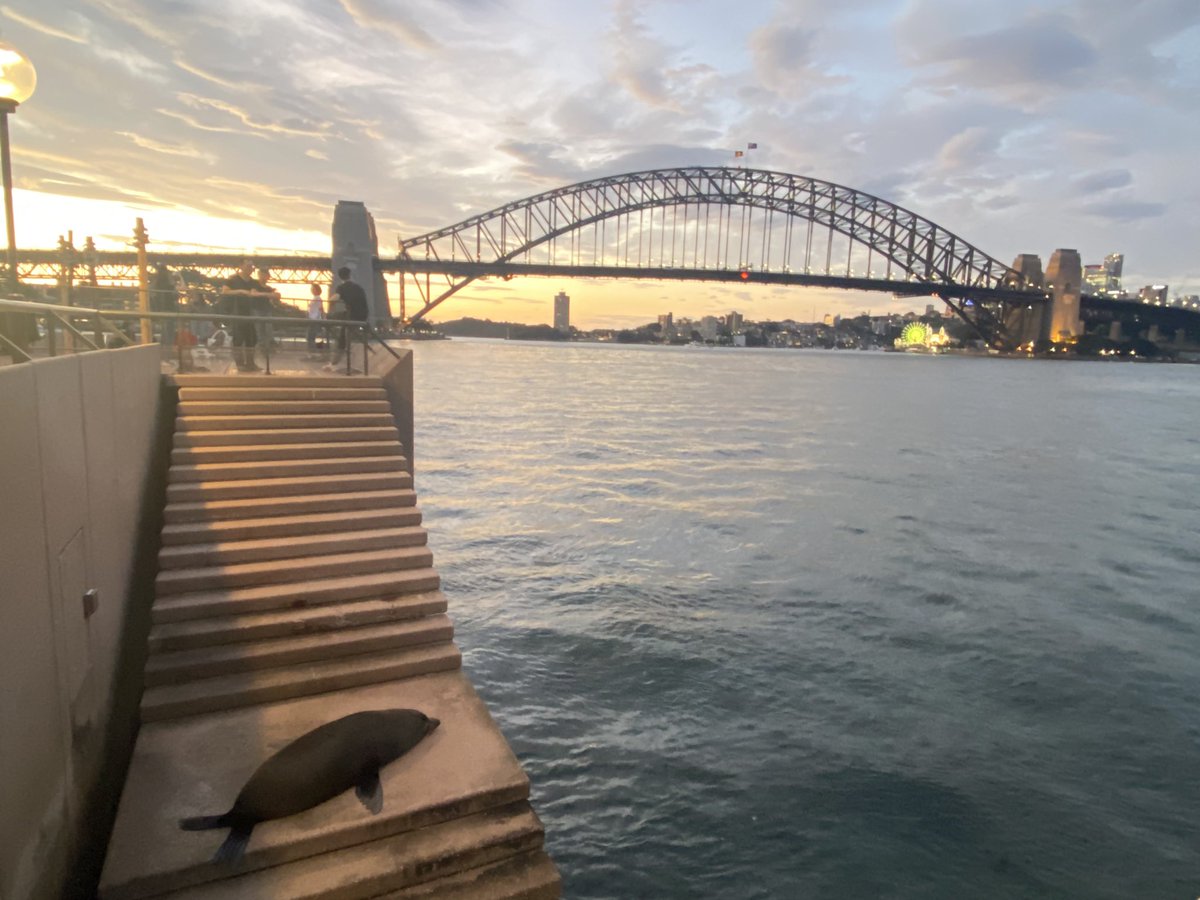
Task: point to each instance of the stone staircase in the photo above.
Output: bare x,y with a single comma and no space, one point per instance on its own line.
295,587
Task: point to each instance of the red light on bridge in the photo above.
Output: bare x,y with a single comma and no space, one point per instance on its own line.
745,275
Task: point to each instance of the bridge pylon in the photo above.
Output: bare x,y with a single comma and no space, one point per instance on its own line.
1064,280
356,246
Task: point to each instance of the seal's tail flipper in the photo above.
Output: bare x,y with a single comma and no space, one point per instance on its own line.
202,823
230,852
370,792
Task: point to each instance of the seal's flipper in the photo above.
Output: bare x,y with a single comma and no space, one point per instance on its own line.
202,823
230,852
370,792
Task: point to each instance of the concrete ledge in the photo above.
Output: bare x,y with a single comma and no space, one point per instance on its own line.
239,601
273,381
254,507
423,856
179,666
276,392
257,436
280,423
225,553
246,404
530,876
275,452
283,468
402,515
291,622
290,571
228,692
197,766
184,492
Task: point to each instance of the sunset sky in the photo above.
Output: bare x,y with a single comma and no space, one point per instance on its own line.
1021,126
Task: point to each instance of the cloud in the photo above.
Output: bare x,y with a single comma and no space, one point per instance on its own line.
293,127
1124,211
37,25
391,18
969,148
191,69
1025,61
1096,182
185,150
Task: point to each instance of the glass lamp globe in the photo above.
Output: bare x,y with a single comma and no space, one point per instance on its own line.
18,78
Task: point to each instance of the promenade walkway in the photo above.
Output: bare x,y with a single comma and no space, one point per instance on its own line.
295,587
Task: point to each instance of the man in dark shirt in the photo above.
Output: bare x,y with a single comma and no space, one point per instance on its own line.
354,299
246,294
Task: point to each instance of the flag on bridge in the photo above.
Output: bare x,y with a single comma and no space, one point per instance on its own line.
737,154
752,146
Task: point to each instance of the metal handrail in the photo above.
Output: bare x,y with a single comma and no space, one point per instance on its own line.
63,314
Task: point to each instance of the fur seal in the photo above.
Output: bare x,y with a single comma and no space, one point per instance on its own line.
315,767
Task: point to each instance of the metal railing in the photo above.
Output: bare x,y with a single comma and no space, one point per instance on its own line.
85,328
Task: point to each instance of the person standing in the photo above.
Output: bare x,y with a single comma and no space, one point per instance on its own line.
315,315
354,299
247,294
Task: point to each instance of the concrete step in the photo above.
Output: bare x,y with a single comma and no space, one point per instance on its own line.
192,456
278,422
180,666
259,508
289,571
197,555
249,407
196,766
190,394
528,876
235,530
242,382
220,630
254,437
207,695
266,598
415,860
275,468
302,485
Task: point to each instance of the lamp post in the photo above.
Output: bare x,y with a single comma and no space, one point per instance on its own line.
17,81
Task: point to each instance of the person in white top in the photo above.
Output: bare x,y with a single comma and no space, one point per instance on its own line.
316,314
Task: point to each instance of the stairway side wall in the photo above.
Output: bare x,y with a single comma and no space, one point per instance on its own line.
81,438
397,377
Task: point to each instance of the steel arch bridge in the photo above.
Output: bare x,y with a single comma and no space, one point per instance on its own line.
717,224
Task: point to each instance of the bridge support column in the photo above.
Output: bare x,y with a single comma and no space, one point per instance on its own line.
1114,330
1064,278
1026,323
356,246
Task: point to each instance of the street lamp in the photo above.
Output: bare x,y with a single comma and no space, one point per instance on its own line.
17,81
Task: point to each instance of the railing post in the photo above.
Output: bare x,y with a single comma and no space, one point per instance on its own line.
366,334
346,340
51,337
267,332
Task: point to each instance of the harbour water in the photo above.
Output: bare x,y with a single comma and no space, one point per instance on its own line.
776,624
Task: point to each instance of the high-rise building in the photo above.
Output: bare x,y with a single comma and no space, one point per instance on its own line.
734,321
562,312
1104,279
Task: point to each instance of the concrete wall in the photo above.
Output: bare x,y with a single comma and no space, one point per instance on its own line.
78,436
397,375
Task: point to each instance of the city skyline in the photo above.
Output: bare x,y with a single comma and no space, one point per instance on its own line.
1022,128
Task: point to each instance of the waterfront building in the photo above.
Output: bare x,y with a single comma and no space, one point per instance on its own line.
1155,294
735,321
562,312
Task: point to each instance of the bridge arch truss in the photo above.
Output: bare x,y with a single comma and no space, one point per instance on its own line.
714,223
